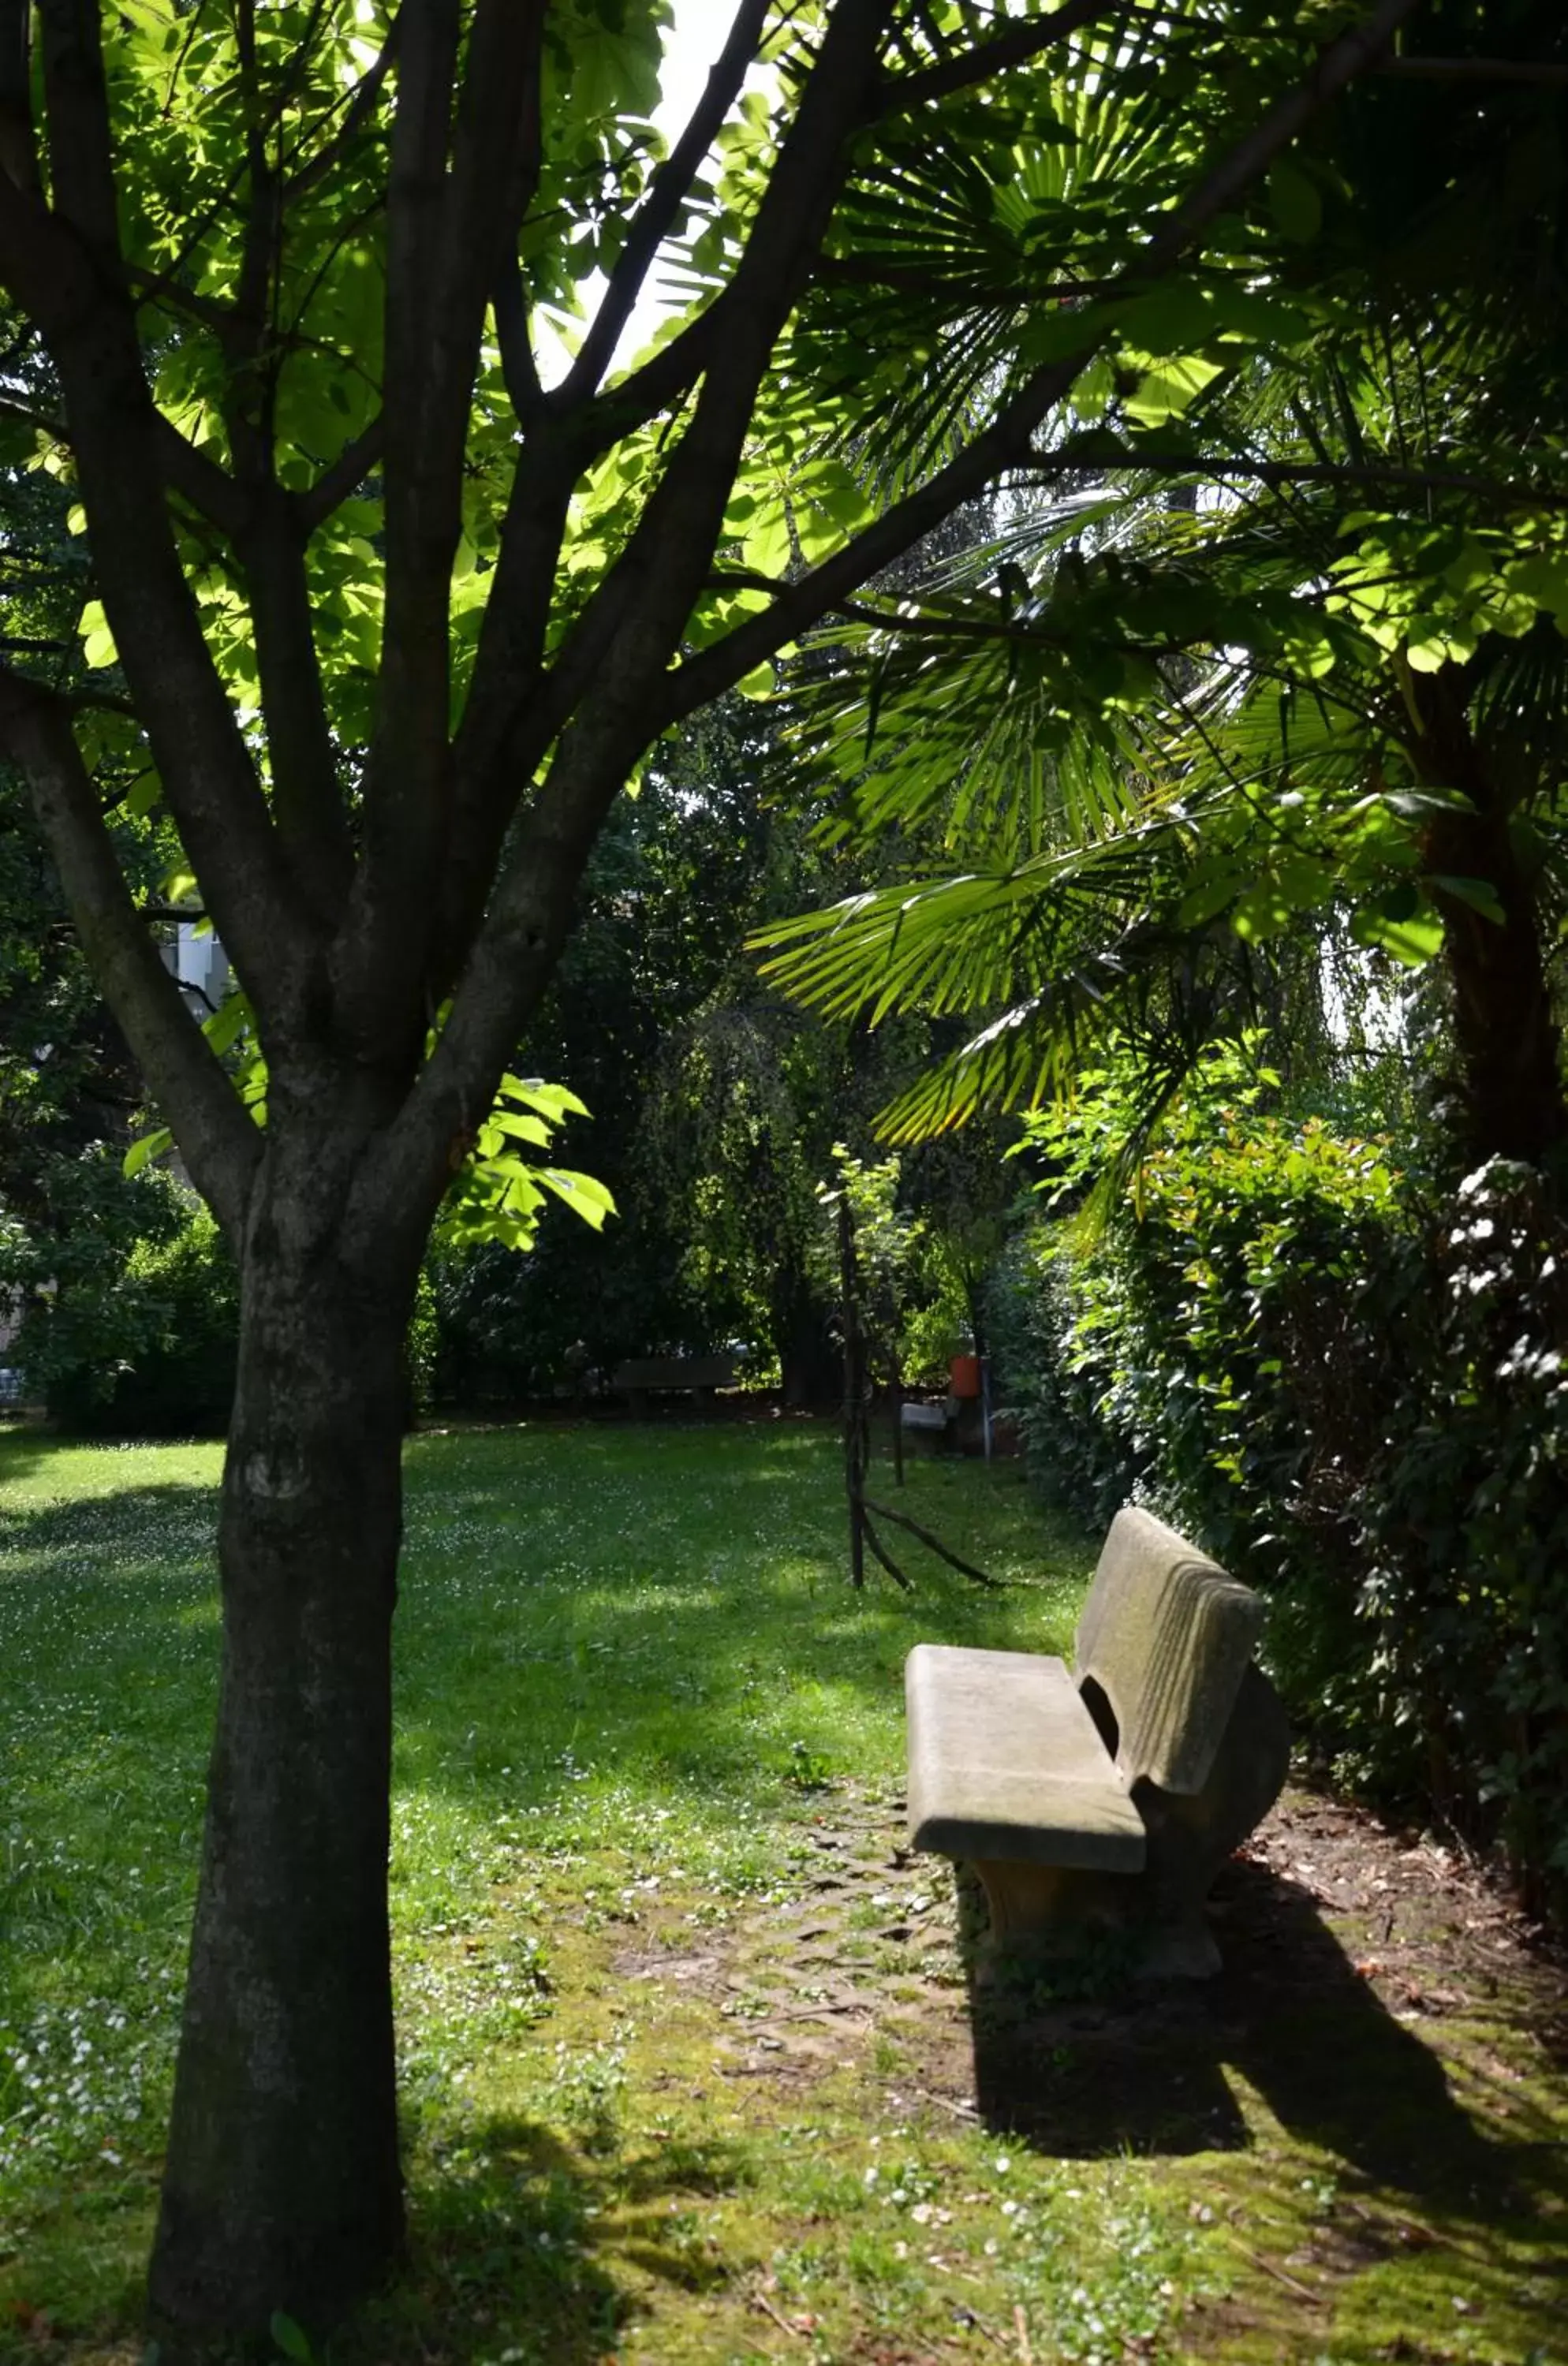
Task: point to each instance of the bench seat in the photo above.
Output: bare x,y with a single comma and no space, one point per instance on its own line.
1005,1763
674,1373
1106,1796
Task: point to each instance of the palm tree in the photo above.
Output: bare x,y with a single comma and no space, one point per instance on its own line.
1269,642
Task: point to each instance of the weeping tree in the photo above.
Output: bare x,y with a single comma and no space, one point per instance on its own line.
398,566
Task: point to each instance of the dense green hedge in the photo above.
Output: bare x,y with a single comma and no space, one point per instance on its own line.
1352,1390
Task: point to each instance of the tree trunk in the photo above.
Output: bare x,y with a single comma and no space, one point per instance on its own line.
282,2189
1505,1038
808,1367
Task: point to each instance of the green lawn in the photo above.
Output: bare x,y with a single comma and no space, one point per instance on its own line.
640,1711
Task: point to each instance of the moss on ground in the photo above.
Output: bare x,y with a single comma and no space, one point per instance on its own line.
689,2057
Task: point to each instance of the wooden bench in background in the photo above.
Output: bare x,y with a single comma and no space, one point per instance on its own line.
699,1376
1110,1793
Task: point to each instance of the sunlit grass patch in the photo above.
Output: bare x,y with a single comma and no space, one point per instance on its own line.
644,1729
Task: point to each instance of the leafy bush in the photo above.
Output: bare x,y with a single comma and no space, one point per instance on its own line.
129,1302
1351,1392
180,1382
1465,1517
511,1327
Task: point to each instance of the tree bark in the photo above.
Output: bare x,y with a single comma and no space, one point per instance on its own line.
1505,1038
799,1328
282,2188
1506,1051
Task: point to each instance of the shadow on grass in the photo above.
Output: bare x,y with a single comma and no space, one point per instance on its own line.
1145,2072
24,1448
138,1523
521,2249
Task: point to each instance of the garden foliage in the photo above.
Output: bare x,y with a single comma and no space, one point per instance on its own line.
1345,1379
129,1301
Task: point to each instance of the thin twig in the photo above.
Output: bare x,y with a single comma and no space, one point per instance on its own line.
965,2111
880,1549
760,2300
902,1519
1303,2292
972,2316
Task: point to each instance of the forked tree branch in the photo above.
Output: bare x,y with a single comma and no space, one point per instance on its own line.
341,479
661,382
449,231
306,795
638,611
512,716
66,270
198,480
596,699
509,295
508,673
668,193
361,101
622,645
513,337
221,1145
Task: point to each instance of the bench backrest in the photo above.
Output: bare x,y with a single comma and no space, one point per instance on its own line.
1167,1637
676,1372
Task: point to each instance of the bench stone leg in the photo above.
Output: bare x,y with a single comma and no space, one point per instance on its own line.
1045,1914
1045,1909
1190,1839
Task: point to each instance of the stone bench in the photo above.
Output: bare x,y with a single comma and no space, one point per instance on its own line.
1111,1792
699,1375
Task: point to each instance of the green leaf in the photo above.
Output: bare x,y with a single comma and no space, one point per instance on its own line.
1207,899
98,641
552,1102
145,1149
1167,387
1294,202
1543,582
1479,894
291,2338
502,1122
1414,941
228,1023
583,1194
